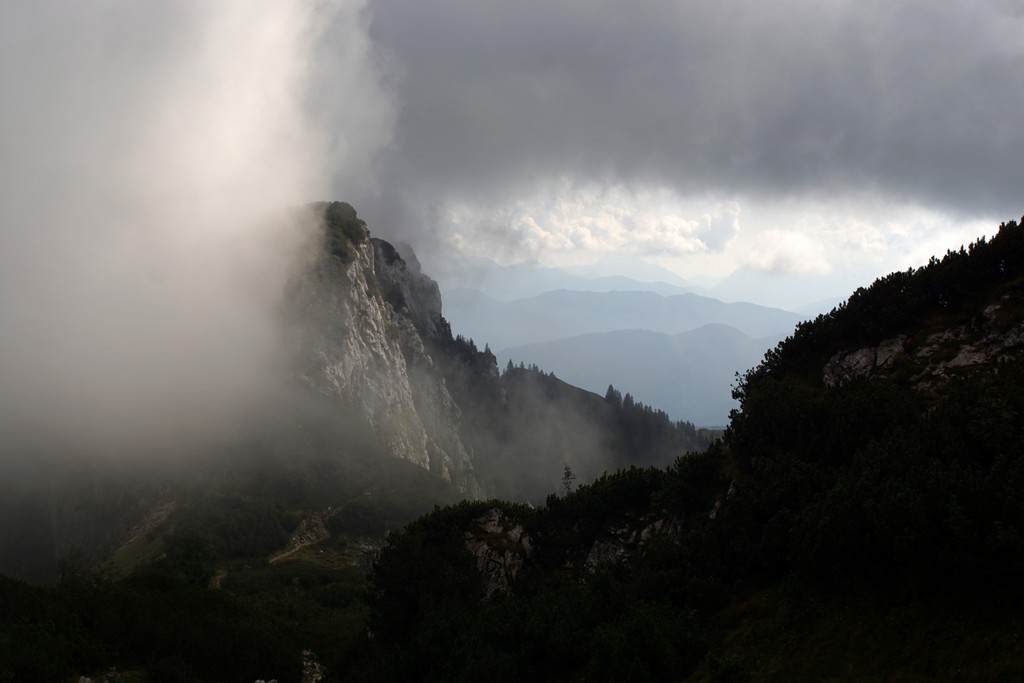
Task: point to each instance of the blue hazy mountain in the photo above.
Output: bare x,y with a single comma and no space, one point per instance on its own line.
564,313
521,281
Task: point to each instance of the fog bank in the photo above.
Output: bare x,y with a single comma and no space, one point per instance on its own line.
149,153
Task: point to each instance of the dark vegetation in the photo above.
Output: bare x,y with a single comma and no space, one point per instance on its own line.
644,429
344,230
159,626
195,598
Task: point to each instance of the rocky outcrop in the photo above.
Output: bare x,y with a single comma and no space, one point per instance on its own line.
410,292
348,349
619,541
311,530
415,300
500,548
312,670
930,358
864,362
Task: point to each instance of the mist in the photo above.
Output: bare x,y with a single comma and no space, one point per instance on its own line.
151,153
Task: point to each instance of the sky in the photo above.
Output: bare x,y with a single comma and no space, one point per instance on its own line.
147,147
843,139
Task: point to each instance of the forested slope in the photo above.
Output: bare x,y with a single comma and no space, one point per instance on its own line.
854,525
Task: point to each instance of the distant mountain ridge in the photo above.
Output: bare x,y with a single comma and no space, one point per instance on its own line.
565,313
519,281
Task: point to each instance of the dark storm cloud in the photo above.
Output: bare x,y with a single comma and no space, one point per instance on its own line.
915,100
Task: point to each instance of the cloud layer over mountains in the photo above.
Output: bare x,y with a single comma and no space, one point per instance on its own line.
851,128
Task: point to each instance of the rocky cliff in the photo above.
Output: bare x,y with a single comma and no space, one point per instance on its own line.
359,317
356,320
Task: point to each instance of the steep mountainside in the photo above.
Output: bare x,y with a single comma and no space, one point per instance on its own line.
356,316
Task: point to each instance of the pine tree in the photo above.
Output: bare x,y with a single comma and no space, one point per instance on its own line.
567,479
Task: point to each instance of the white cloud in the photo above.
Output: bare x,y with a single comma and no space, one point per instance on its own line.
593,220
861,237
787,252
721,228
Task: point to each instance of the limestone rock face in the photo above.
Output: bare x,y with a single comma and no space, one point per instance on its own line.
619,541
930,358
415,300
347,349
500,549
888,351
849,365
409,291
357,338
